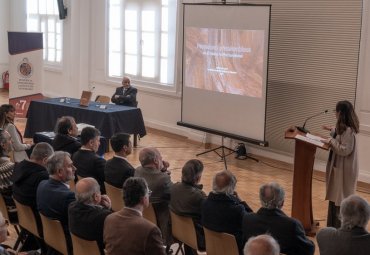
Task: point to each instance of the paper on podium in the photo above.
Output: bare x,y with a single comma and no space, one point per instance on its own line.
81,126
316,140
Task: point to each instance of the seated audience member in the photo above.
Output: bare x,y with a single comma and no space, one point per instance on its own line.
262,245
87,162
288,231
7,116
53,195
66,132
223,210
126,231
118,169
352,237
154,170
125,95
187,197
6,169
87,214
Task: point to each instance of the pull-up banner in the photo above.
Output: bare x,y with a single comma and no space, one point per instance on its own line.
25,69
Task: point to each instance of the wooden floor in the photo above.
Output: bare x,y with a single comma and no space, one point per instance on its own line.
250,174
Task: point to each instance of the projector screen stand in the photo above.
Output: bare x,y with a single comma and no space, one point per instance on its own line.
222,155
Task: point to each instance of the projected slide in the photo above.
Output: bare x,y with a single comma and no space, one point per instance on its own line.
225,60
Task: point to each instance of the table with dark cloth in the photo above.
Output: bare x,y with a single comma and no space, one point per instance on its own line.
43,114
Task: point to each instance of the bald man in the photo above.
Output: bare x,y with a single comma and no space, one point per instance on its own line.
88,212
262,245
223,210
125,95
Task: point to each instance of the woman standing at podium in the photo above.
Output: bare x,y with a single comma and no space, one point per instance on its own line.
342,167
7,116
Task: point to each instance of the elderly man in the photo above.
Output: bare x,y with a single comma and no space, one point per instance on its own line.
154,170
125,95
54,196
66,133
126,231
88,212
262,245
187,197
352,237
87,162
223,210
271,219
118,169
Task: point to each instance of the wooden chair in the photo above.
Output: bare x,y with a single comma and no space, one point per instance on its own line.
5,213
184,231
115,195
102,99
149,214
54,235
26,219
83,247
220,243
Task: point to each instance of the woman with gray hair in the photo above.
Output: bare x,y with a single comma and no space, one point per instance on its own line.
352,237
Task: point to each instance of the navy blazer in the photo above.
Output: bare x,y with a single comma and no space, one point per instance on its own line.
288,232
127,98
117,171
66,143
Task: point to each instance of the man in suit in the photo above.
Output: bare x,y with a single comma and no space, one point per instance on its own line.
271,219
223,210
154,170
118,169
87,162
66,133
53,195
88,212
352,237
126,231
187,197
262,245
125,95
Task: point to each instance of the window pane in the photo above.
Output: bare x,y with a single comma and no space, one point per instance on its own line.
164,71
42,6
51,40
148,44
59,56
115,66
130,20
131,42
115,18
51,25
164,45
164,2
58,27
114,2
32,6
131,64
115,40
50,7
58,42
51,55
43,26
32,24
148,67
164,25
148,21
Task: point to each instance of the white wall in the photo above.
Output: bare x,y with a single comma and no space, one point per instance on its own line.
5,23
84,66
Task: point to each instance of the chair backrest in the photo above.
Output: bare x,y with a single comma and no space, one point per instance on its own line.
220,243
83,247
53,234
149,214
115,195
26,218
102,99
183,230
3,208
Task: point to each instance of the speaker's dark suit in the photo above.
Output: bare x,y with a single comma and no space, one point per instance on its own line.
127,97
66,143
287,231
117,171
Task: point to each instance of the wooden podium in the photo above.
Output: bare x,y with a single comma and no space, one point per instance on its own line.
304,157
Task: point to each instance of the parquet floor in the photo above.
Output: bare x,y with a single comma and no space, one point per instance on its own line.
250,174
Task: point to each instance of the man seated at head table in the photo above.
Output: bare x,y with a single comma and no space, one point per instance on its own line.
223,210
66,135
126,231
287,231
352,237
87,214
125,95
262,245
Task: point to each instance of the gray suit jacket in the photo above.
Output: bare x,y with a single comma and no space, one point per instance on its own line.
333,241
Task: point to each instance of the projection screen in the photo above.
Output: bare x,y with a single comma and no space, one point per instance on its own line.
225,55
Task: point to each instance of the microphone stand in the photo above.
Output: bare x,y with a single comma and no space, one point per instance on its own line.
303,129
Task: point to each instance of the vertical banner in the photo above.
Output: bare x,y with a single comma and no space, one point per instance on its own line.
25,69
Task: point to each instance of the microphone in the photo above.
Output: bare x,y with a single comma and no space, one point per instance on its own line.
303,129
